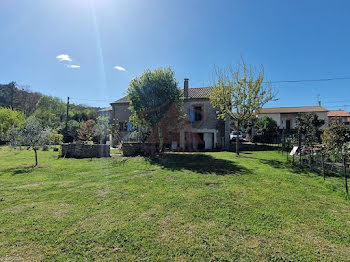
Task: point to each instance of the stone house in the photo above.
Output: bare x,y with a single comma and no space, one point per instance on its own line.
286,116
105,112
202,129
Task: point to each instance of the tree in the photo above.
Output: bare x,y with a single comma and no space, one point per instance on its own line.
72,132
31,134
238,93
9,119
155,99
7,93
268,127
335,137
50,111
308,126
24,100
102,128
87,130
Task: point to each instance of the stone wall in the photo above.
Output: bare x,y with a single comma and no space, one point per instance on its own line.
84,151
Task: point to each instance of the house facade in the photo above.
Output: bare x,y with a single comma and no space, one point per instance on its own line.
105,112
202,130
286,116
339,116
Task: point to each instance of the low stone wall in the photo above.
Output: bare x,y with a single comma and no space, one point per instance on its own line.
84,151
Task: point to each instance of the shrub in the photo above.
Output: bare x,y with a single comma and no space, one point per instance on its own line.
56,139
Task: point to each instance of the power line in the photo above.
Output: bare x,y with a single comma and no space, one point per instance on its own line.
92,100
312,80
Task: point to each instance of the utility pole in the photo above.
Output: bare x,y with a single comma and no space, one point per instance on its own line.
67,116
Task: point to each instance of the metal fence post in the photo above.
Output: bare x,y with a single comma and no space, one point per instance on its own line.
323,171
345,175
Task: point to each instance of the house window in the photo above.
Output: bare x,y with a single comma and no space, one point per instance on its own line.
197,113
123,126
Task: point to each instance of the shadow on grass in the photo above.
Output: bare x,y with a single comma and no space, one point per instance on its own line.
199,163
296,168
22,169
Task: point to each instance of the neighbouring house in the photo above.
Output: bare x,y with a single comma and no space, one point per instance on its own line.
105,112
202,129
286,116
339,116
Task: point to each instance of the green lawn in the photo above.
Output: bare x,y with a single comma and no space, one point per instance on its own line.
180,207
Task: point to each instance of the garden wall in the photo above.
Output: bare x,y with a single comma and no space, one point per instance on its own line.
84,151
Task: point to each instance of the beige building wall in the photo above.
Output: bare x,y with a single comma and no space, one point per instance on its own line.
216,133
281,119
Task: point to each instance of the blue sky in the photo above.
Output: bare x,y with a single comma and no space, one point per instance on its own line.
291,39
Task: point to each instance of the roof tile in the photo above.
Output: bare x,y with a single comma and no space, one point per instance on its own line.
301,109
193,93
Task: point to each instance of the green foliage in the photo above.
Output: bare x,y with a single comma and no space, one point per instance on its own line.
268,127
50,111
152,94
238,93
114,131
155,103
102,128
308,126
73,127
7,93
55,138
9,119
336,138
82,113
87,130
32,135
19,99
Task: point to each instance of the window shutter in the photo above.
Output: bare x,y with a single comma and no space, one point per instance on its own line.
191,114
129,128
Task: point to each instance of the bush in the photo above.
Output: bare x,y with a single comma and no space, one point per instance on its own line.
56,138
138,149
9,119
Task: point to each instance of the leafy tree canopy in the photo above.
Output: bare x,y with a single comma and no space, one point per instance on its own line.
9,119
269,128
239,92
152,94
309,126
335,138
31,134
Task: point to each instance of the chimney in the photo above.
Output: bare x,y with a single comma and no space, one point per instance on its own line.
186,88
319,103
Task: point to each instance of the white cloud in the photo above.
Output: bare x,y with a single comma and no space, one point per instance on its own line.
73,66
64,57
120,68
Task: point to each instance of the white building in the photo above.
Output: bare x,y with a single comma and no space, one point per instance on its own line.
286,116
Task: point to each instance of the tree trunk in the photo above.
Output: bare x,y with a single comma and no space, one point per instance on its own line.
237,138
160,137
36,157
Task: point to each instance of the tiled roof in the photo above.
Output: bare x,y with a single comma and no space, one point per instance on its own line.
105,109
122,100
200,92
193,93
338,113
301,109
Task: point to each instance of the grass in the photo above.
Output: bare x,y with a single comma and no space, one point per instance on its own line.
178,207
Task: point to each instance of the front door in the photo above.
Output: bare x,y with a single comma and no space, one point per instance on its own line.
208,140
288,124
